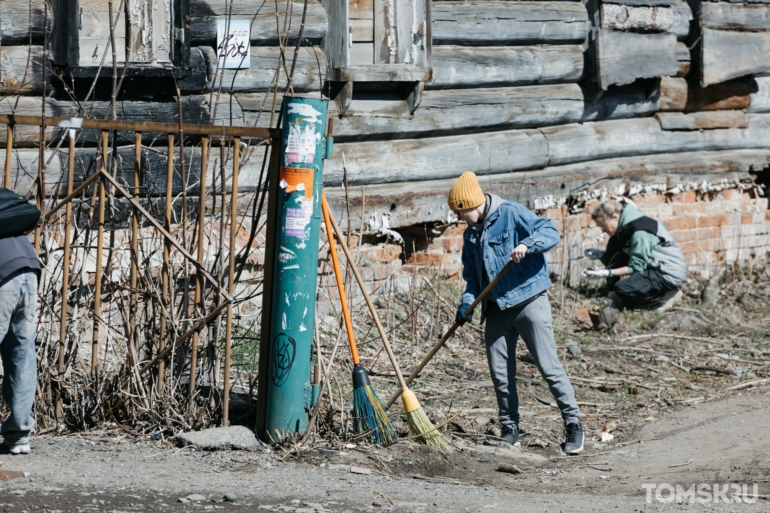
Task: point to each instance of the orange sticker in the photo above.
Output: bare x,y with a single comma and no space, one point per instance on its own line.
292,177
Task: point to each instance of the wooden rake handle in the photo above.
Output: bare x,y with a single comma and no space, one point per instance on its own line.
328,214
449,333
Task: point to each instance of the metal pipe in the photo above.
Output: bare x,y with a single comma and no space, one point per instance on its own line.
99,270
231,276
166,255
8,156
201,247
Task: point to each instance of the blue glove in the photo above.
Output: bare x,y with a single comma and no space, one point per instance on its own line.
462,317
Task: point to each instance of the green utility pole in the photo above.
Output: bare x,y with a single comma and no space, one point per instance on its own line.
290,394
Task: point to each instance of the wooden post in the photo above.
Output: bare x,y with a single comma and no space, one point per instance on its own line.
8,157
99,247
133,299
166,255
231,276
201,247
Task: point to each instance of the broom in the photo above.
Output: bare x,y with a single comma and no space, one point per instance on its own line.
419,423
370,418
451,331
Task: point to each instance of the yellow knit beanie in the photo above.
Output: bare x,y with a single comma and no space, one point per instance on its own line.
466,193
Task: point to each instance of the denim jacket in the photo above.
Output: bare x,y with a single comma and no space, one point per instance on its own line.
488,246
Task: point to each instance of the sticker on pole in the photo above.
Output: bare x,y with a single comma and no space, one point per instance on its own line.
301,143
297,179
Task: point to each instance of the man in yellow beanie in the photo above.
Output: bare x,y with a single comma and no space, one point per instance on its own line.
499,231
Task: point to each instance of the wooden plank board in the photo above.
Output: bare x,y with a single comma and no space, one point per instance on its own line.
148,31
729,54
623,57
659,18
457,66
336,44
702,120
646,2
504,23
16,21
264,61
92,50
21,70
361,53
760,100
684,59
361,9
726,16
361,31
264,31
381,27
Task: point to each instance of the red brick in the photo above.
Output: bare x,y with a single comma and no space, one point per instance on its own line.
711,221
381,253
426,259
688,197
734,194
452,244
682,223
747,219
455,229
649,199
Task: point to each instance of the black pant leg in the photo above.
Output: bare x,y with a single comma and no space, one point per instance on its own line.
640,289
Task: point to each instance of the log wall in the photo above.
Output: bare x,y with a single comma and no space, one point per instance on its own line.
545,100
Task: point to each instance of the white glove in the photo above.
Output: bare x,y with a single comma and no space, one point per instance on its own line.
593,253
596,274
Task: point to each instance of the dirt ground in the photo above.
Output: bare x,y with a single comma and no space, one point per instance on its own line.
681,395
716,442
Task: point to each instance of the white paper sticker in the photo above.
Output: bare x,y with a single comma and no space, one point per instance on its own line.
233,45
300,144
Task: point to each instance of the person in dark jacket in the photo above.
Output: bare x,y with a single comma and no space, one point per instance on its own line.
19,274
498,232
642,252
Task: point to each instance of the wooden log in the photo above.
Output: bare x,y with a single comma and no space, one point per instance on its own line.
264,61
646,2
416,202
702,120
623,57
508,23
21,70
673,94
437,157
195,110
726,16
760,100
264,31
518,150
456,66
683,59
731,95
457,111
659,18
683,15
729,54
16,21
637,99
642,136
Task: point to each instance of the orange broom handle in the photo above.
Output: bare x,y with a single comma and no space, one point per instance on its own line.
337,274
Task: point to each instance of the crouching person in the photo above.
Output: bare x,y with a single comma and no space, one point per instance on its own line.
19,273
499,231
642,252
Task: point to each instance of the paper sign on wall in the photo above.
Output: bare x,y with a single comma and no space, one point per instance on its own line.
233,45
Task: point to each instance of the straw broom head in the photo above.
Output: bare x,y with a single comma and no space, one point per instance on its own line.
419,423
370,416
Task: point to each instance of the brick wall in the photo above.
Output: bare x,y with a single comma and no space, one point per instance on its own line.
713,229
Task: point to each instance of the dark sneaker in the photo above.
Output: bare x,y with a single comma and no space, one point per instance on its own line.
510,435
575,438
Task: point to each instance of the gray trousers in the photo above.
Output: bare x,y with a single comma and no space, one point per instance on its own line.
18,303
533,322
